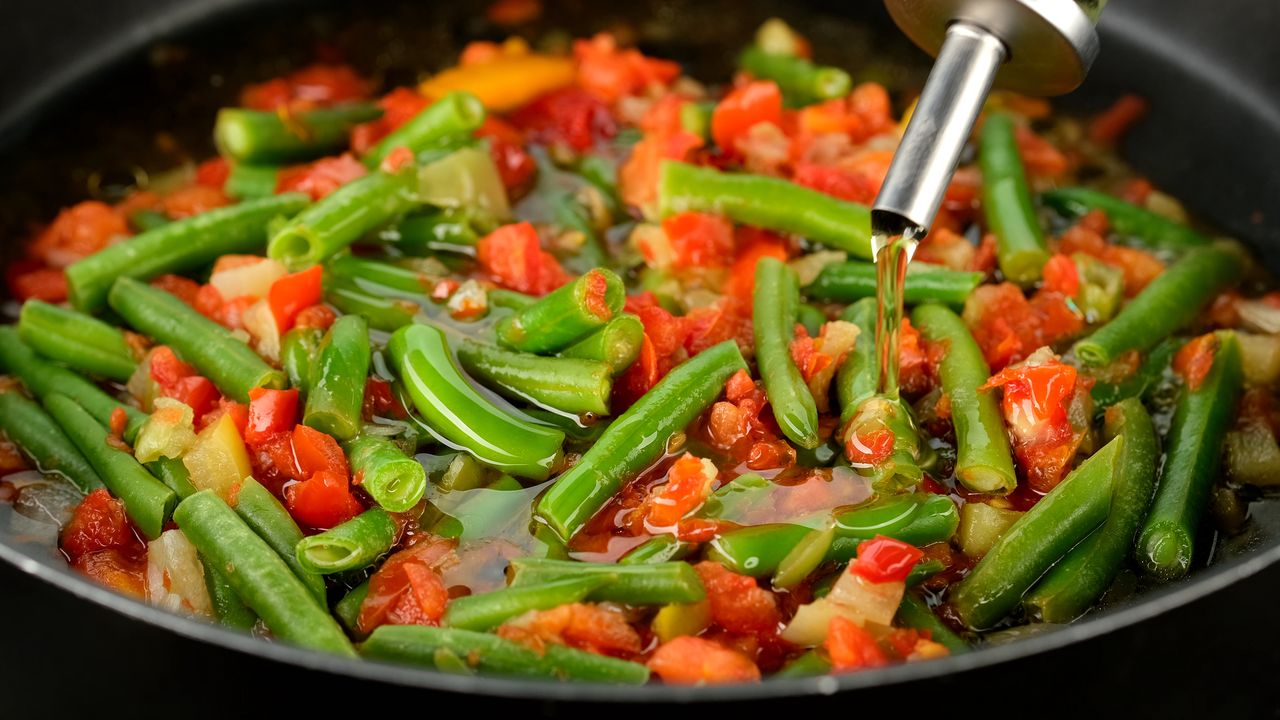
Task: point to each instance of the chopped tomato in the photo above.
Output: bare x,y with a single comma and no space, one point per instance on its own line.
119,570
638,177
753,245
688,660
185,289
869,448
166,369
586,627
318,452
98,522
836,182
870,102
274,463
213,172
292,293
1060,275
715,323
568,116
1088,237
738,604
851,647
594,300
408,588
506,146
322,501
688,485
270,412
398,107
1008,327
744,108
884,559
611,73
197,392
77,232
1112,124
321,177
379,401
1195,359
316,85
238,412
639,378
513,257
1039,155
43,283
807,356
193,200
1036,395
316,316
699,239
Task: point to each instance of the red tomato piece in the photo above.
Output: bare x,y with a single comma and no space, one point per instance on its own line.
638,177
568,116
506,146
98,522
688,660
166,369
1060,275
685,490
836,182
852,648
271,412
274,463
121,571
398,106
700,239
611,73
193,200
513,257
408,588
77,232
743,108
185,289
320,178
324,500
318,452
1194,360
738,604
1035,398
47,284
197,392
291,293
213,172
316,85
884,559
316,316
579,625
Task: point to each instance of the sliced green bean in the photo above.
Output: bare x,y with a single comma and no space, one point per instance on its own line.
455,114
1147,228
251,182
264,514
617,344
38,436
850,281
174,474
266,136
394,480
227,605
382,313
438,230
651,584
489,610
335,395
858,378
916,613
76,340
355,544
1006,202
348,608
800,80
566,315
298,351
572,386
773,324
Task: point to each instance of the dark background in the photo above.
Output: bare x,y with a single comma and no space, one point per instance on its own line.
1217,144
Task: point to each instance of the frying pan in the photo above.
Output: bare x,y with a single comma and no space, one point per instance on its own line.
90,88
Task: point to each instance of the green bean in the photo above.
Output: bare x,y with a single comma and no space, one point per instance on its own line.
1080,578
850,281
1201,418
335,395
44,378
355,544
268,136
983,460
766,202
264,514
756,550
379,277
227,605
800,80
258,575
637,438
652,584
394,480
298,351
1147,228
572,216
251,182
658,549
1047,531
511,300
455,114
809,664
695,117
1141,382
441,229
28,426
858,378
1170,302
465,650
147,501
174,474
463,417
489,610
811,318
1006,202
617,344
148,220
804,558
348,608
180,246
382,313
232,365
773,324
564,316
567,385
76,340
916,613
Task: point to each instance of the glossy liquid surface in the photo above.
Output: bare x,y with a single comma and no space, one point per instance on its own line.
894,241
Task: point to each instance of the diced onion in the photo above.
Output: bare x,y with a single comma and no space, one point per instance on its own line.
169,432
981,525
261,324
1253,457
867,601
808,266
141,386
175,576
253,279
1260,355
1259,316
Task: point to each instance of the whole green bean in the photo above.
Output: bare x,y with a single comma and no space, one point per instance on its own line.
232,365
43,378
617,344
174,474
227,605
298,351
468,650
1080,578
1006,202
335,395
766,202
1147,228
343,216
637,438
858,378
572,386
258,575
38,436
251,182
651,584
180,246
1039,538
915,613
461,415
773,325
850,281
265,136
1201,418
455,114
147,501
353,545
983,460
264,514
800,80
489,610
1170,302
394,480
76,340
566,315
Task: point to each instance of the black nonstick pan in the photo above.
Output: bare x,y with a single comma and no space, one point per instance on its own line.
87,87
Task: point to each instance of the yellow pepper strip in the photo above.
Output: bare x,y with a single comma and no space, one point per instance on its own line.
504,83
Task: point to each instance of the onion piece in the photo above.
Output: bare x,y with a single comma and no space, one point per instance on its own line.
1259,316
261,324
252,279
1260,355
175,576
169,432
